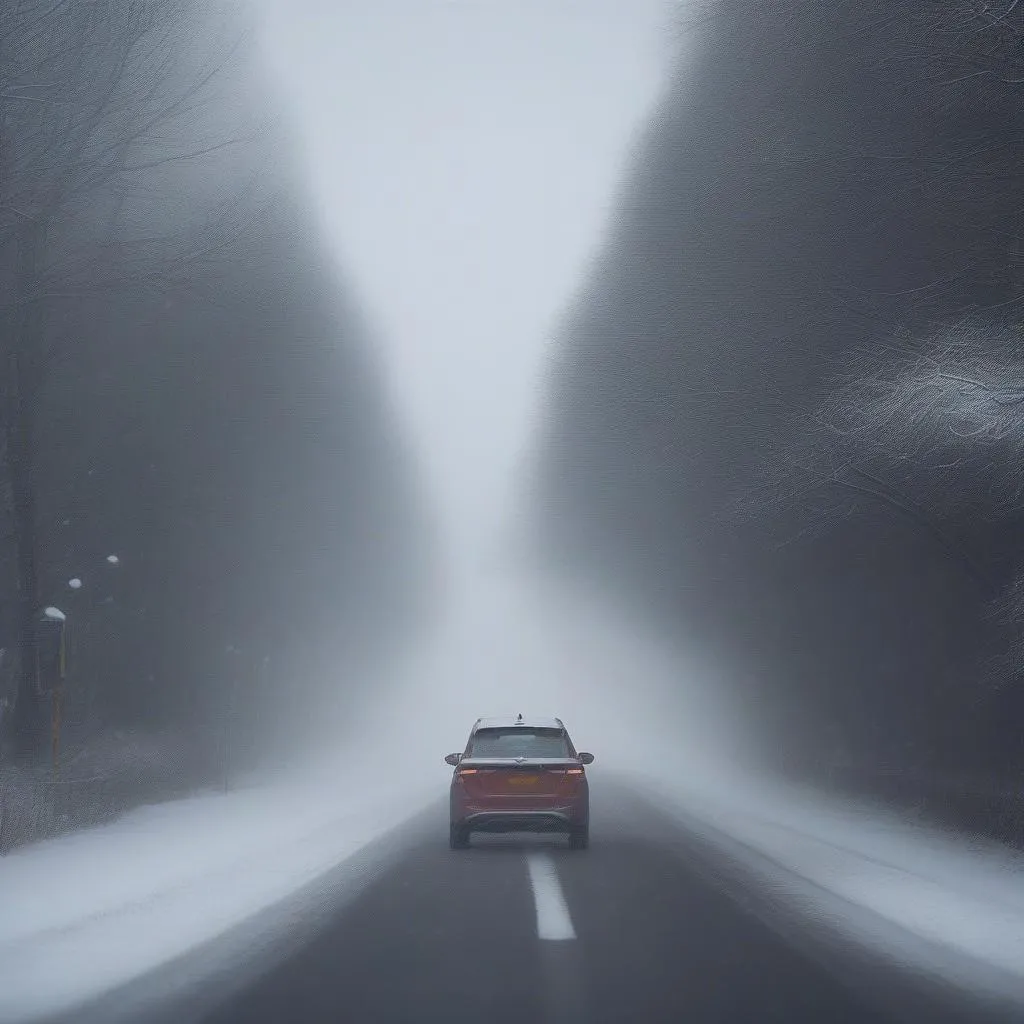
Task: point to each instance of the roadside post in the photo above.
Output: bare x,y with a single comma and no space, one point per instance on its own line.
50,650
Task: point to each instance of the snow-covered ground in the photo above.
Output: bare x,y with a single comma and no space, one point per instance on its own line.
88,912
943,905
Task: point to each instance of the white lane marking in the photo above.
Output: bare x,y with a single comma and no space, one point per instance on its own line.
553,920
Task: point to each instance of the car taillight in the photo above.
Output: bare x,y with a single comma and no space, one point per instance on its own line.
465,771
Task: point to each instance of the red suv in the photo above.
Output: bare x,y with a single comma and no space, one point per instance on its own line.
519,775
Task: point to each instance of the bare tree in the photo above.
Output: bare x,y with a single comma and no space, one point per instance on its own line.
98,103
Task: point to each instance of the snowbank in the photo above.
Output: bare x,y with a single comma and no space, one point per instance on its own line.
942,904
88,912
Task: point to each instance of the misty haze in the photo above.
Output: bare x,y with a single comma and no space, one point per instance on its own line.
511,510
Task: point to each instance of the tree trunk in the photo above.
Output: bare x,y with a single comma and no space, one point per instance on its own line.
26,350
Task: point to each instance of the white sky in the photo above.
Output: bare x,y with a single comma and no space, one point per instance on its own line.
464,155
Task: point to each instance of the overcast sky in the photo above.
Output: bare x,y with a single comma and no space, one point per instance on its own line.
463,156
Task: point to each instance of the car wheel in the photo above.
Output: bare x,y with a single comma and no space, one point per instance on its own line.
579,839
458,837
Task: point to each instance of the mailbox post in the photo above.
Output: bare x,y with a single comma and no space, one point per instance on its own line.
50,652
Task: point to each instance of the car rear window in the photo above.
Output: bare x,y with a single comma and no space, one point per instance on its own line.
519,741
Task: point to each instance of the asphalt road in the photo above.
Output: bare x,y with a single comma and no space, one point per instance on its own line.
525,930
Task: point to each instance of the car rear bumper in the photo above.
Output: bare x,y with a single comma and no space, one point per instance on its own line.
565,819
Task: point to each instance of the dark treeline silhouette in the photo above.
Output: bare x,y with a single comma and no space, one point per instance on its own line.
195,429
788,409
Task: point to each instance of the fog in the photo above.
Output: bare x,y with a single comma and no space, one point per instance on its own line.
464,158
295,275
409,355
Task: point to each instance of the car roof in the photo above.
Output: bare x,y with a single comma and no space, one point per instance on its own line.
507,721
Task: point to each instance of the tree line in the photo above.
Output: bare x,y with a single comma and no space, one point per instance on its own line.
786,410
199,465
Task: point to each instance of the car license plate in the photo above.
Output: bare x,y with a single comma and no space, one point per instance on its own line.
522,780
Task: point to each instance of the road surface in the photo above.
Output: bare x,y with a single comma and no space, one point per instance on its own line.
525,930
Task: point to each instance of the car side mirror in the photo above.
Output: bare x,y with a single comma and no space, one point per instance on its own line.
585,758
453,759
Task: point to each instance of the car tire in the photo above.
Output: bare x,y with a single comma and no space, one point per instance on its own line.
458,837
579,838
